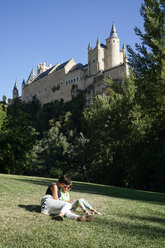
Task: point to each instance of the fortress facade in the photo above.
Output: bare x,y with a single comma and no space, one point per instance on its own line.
62,81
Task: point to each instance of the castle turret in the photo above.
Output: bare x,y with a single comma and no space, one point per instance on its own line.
31,77
98,42
95,58
89,47
89,50
124,52
15,91
112,49
99,57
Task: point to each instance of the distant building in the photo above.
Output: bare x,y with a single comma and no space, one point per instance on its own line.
62,81
15,91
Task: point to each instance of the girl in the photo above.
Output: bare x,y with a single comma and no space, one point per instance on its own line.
83,204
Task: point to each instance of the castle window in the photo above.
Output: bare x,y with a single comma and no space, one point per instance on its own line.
102,59
39,92
74,80
45,89
71,81
113,40
93,61
77,79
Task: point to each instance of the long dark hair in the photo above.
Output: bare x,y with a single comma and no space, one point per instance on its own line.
65,179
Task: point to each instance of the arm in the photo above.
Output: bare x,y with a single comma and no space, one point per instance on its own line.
54,190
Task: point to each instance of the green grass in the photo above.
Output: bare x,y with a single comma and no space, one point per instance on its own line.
130,218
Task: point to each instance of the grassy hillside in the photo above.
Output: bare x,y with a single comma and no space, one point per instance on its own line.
130,218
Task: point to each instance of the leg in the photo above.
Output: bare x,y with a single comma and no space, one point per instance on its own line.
71,215
56,206
79,203
88,206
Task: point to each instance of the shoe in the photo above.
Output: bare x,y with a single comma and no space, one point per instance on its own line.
87,218
44,211
58,217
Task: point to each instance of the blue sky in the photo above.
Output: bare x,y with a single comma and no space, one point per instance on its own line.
51,31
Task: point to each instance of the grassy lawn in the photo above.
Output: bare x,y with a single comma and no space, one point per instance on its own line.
130,218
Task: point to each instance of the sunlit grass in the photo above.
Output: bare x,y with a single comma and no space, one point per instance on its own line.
130,218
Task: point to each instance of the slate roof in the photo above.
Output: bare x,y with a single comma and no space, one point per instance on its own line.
77,67
45,73
113,33
102,45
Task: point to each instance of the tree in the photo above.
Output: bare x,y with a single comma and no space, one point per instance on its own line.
55,148
149,60
114,125
16,141
149,67
2,114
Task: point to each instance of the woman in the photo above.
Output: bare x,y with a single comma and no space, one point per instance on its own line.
50,203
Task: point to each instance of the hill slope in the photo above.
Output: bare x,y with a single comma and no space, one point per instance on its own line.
130,218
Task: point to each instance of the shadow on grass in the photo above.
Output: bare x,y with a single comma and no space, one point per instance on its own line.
137,229
90,188
159,220
31,208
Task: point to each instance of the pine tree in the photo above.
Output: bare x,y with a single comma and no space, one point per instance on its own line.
149,60
149,66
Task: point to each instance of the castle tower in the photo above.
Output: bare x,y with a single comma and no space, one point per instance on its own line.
15,91
113,49
89,49
95,58
98,54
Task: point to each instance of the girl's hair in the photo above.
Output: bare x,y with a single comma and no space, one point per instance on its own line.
65,179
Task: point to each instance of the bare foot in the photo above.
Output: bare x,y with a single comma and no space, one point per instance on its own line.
95,212
58,217
87,218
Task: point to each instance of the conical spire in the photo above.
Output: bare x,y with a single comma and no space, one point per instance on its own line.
15,90
113,33
16,85
124,51
124,47
98,40
32,75
89,47
23,82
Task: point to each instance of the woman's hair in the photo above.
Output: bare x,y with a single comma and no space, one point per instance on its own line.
65,179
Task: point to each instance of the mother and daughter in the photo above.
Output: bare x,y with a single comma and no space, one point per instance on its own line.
56,202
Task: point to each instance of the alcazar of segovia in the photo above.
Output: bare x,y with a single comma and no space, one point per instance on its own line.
62,81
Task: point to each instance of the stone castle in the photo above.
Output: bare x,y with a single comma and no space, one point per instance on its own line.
63,81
